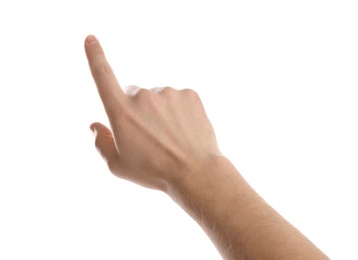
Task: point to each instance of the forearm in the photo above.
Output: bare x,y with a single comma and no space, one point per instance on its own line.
238,221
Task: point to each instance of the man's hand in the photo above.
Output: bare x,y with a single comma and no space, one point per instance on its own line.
162,139
157,136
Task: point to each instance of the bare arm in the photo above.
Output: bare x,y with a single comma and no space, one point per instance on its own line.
238,221
162,139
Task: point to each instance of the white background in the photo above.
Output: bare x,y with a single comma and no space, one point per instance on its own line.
279,83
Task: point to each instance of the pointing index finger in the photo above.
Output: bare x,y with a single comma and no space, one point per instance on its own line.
108,87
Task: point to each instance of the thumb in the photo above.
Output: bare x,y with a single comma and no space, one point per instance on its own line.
106,146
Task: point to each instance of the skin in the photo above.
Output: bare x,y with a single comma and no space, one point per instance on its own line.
162,139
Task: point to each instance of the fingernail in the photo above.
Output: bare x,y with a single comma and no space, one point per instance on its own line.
91,39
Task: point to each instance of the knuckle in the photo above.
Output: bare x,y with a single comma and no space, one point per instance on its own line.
102,70
189,93
168,90
143,93
146,98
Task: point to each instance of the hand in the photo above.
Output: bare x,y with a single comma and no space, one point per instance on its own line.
162,139
157,137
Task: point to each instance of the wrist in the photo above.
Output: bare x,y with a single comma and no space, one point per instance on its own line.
195,173
208,185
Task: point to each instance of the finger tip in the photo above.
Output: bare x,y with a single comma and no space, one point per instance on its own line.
91,40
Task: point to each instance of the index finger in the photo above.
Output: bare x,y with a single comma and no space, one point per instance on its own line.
108,87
